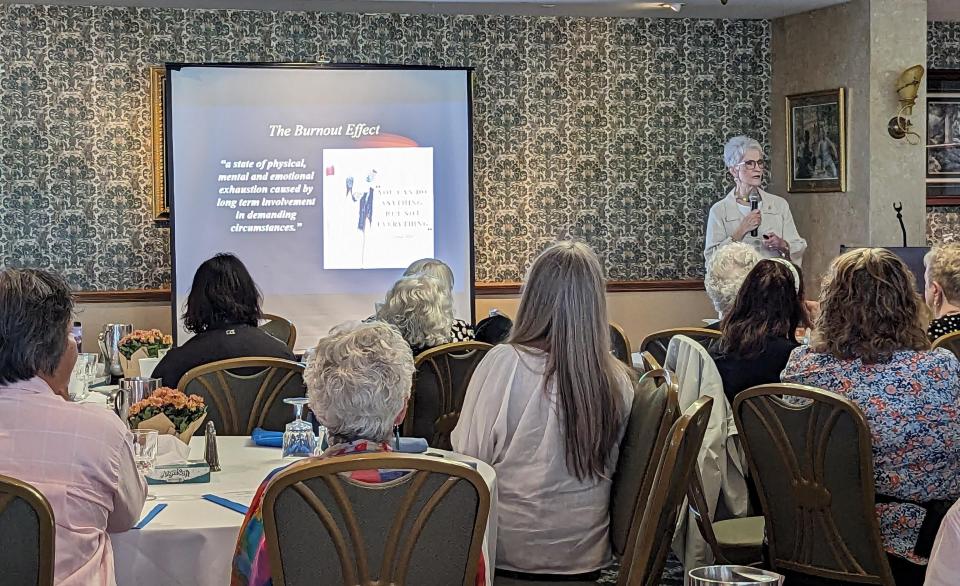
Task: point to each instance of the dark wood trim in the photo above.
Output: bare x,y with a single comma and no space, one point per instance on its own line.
483,289
125,296
489,289
942,201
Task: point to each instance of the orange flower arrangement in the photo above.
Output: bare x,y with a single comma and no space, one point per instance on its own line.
182,411
152,341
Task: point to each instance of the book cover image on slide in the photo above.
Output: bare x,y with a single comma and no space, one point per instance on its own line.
377,207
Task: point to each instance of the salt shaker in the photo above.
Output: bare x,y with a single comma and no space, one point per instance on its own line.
210,454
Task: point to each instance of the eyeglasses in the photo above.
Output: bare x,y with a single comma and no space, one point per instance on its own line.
750,164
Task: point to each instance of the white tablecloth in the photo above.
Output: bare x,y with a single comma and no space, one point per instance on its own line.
191,542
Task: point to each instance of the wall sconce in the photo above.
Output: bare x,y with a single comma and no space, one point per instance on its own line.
908,84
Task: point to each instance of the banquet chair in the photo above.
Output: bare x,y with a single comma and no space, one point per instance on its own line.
424,528
439,384
737,541
652,415
651,533
280,328
26,535
658,342
649,362
949,341
238,403
620,344
813,467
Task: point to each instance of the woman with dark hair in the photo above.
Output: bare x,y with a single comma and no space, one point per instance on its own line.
80,457
759,332
870,346
223,309
547,410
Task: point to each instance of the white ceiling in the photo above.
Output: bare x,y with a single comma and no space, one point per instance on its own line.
633,8
937,9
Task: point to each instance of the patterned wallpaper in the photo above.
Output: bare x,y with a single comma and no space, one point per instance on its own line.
606,129
943,52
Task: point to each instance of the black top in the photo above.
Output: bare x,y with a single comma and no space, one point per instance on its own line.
943,326
739,374
460,331
230,341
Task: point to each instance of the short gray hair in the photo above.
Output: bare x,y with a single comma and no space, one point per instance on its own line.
359,381
421,307
737,147
726,270
431,267
35,311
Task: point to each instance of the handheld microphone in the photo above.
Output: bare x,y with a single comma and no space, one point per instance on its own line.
754,204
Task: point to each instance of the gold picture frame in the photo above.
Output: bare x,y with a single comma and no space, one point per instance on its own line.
816,142
161,207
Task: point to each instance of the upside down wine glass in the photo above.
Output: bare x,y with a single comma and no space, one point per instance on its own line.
299,440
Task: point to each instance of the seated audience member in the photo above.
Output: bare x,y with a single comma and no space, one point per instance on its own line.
223,309
494,329
944,566
942,289
422,309
726,270
547,410
461,331
78,456
358,385
759,331
869,346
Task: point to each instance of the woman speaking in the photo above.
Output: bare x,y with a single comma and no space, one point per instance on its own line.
749,214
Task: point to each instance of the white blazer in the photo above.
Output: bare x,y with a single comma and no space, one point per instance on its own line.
721,461
725,217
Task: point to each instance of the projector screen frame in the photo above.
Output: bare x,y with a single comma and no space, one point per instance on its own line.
168,170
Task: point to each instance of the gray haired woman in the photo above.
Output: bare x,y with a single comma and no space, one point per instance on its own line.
726,270
421,307
732,219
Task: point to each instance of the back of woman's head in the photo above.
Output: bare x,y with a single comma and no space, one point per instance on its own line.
35,311
421,308
943,268
726,270
868,308
431,267
769,304
564,311
223,292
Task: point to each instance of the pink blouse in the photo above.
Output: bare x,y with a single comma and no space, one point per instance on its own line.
80,458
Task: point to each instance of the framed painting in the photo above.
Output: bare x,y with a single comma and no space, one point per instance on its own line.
161,208
943,137
816,142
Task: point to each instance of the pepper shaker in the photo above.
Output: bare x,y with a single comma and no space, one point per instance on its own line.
210,453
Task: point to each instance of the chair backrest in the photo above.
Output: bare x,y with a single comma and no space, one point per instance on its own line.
700,510
658,342
242,394
26,534
812,463
651,535
620,344
653,412
425,527
280,328
949,341
649,362
439,385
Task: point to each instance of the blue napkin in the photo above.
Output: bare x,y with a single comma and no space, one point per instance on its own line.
153,513
233,506
274,439
270,439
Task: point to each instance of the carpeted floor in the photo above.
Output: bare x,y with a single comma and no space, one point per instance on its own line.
672,573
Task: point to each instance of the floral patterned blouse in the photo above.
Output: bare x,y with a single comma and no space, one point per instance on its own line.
912,405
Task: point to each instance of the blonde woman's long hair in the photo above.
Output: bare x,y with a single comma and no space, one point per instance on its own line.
563,311
869,308
421,308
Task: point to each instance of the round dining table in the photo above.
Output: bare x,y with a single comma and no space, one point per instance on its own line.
191,541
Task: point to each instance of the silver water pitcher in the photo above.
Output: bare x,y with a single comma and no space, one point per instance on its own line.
732,576
133,390
109,340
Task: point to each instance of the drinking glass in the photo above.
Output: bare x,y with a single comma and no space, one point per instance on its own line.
81,376
299,440
145,451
